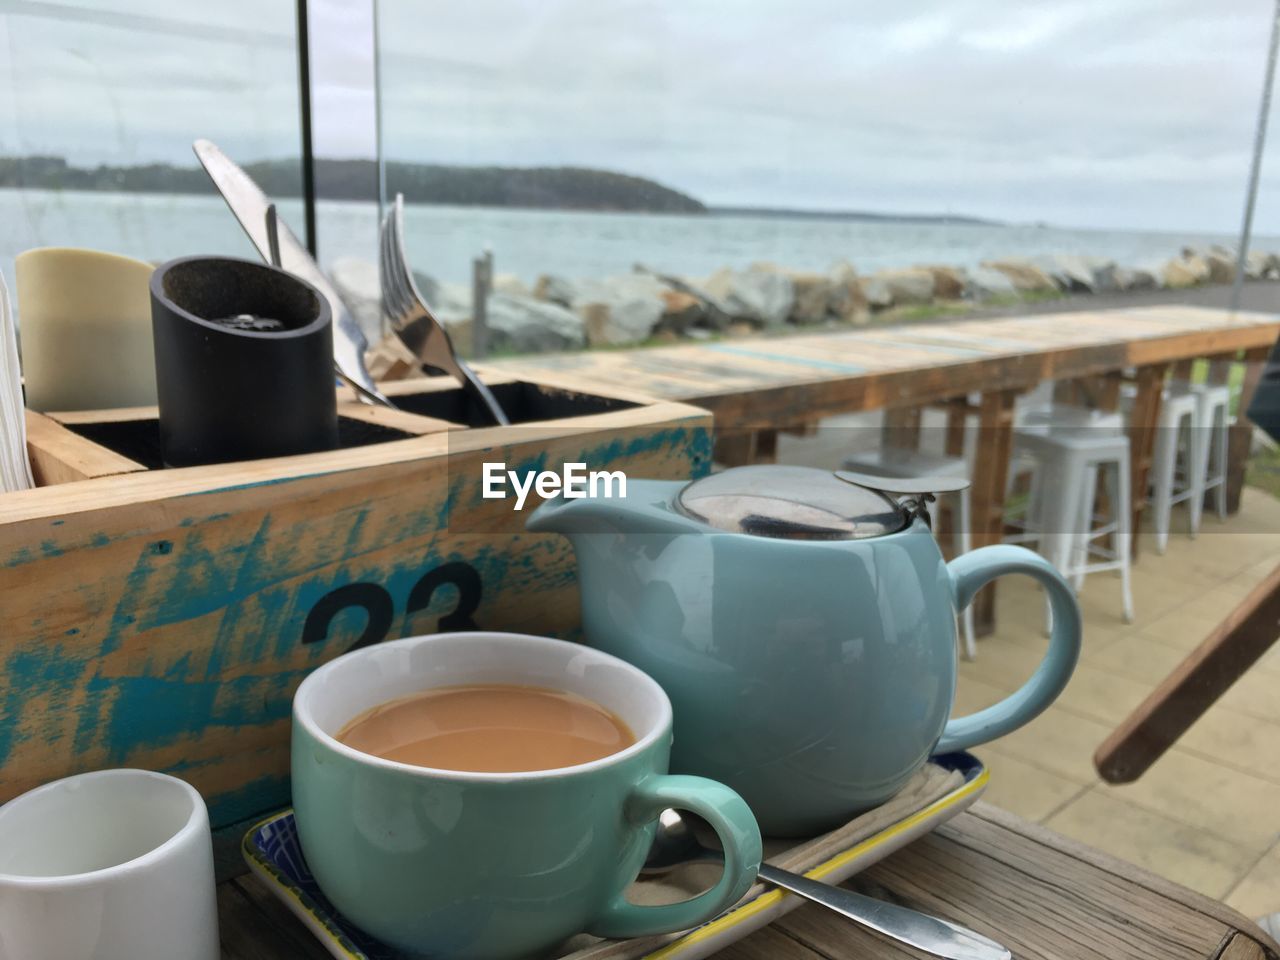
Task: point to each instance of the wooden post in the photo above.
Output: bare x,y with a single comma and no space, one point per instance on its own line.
734,446
901,429
1109,390
957,417
1255,359
1220,367
990,475
740,446
1142,437
766,446
481,287
957,420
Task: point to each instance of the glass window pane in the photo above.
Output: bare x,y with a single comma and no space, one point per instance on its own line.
99,104
1003,130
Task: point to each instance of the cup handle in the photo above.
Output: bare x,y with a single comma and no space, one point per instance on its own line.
731,818
969,573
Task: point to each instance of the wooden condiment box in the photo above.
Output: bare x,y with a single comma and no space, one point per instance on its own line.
162,618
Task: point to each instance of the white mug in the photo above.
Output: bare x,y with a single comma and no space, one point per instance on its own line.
107,865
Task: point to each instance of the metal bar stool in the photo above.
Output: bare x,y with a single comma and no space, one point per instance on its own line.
1175,473
1061,516
1209,450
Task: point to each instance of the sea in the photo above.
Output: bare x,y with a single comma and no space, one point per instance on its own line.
443,241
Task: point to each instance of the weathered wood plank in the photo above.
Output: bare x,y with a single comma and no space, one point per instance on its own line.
1038,900
394,419
815,374
113,415
877,352
254,925
773,944
996,817
59,455
1041,894
163,619
1242,947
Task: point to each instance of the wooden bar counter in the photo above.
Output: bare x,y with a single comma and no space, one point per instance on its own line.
1040,894
758,386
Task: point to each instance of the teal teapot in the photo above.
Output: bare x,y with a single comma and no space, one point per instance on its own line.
803,624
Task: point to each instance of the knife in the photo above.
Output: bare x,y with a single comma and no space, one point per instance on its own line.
250,206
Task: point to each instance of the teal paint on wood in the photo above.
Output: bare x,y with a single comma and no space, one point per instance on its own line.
45,668
787,358
123,683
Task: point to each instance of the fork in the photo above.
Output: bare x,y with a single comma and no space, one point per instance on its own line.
413,321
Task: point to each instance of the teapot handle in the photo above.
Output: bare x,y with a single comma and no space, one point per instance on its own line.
974,570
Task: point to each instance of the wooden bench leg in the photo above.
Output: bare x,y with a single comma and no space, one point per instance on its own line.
1142,437
766,450
738,447
990,475
945,519
1241,438
901,430
734,447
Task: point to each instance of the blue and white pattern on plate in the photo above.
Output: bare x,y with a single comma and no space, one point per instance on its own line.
273,851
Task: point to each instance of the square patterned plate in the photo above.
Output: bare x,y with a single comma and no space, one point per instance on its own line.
272,850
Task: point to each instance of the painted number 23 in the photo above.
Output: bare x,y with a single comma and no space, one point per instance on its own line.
379,608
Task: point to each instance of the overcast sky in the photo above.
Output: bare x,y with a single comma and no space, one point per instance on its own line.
1107,113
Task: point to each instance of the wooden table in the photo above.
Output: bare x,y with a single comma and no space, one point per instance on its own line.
758,386
1040,894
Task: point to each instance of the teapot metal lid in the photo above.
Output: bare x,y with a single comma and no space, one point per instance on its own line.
804,503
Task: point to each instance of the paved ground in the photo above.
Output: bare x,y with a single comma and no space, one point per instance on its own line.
1208,814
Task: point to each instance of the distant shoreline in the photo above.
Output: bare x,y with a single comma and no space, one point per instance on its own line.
859,216
516,188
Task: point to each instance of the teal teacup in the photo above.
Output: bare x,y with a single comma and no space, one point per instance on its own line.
497,865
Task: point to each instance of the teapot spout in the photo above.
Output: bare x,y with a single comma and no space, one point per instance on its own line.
645,507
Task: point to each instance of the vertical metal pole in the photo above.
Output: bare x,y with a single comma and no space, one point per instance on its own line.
1259,141
380,162
481,287
304,105
377,112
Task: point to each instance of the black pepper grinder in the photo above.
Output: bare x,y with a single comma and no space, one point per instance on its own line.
244,362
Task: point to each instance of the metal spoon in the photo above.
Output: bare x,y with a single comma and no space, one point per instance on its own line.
675,844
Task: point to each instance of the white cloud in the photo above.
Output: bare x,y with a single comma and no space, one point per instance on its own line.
1090,112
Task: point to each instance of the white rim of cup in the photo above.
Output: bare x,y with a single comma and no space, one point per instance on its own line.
195,822
302,714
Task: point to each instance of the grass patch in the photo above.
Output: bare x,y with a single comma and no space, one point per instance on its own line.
1235,379
1263,472
924,311
1017,299
1263,469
